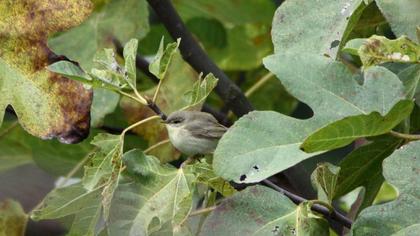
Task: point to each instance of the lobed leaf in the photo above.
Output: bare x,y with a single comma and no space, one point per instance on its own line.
158,195
330,24
261,144
401,216
48,105
258,210
363,167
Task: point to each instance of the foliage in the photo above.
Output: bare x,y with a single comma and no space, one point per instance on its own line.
355,64
262,211
12,218
398,217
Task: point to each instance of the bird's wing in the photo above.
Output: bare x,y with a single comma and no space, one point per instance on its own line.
214,131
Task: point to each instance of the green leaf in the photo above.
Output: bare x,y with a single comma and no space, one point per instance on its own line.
72,200
401,169
12,218
104,168
234,33
330,24
325,178
130,53
86,200
13,153
122,20
378,49
261,144
258,210
363,167
104,103
209,31
47,105
402,15
18,148
108,72
205,175
345,131
200,90
70,70
160,63
353,46
157,195
411,78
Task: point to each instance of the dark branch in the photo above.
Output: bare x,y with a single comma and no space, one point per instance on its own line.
198,59
156,109
335,215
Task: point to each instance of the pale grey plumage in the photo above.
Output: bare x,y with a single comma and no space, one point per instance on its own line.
194,132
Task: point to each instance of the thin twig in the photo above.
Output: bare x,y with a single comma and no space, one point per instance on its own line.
163,142
202,211
139,123
198,59
132,97
157,91
154,107
335,215
259,84
405,136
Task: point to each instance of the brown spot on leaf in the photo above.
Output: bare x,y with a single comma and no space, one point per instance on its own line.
53,106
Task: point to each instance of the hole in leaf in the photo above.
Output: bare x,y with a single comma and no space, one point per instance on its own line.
276,230
256,168
334,43
242,178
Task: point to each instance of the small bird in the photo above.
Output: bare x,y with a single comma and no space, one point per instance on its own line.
194,132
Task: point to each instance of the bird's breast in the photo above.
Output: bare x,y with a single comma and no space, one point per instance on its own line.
185,142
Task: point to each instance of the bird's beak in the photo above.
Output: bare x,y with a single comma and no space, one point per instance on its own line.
163,122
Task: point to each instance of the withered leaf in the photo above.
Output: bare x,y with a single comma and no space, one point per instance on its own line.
48,105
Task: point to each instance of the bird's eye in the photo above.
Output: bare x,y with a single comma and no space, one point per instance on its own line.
177,121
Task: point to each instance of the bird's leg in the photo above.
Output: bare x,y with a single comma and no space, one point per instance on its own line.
189,160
